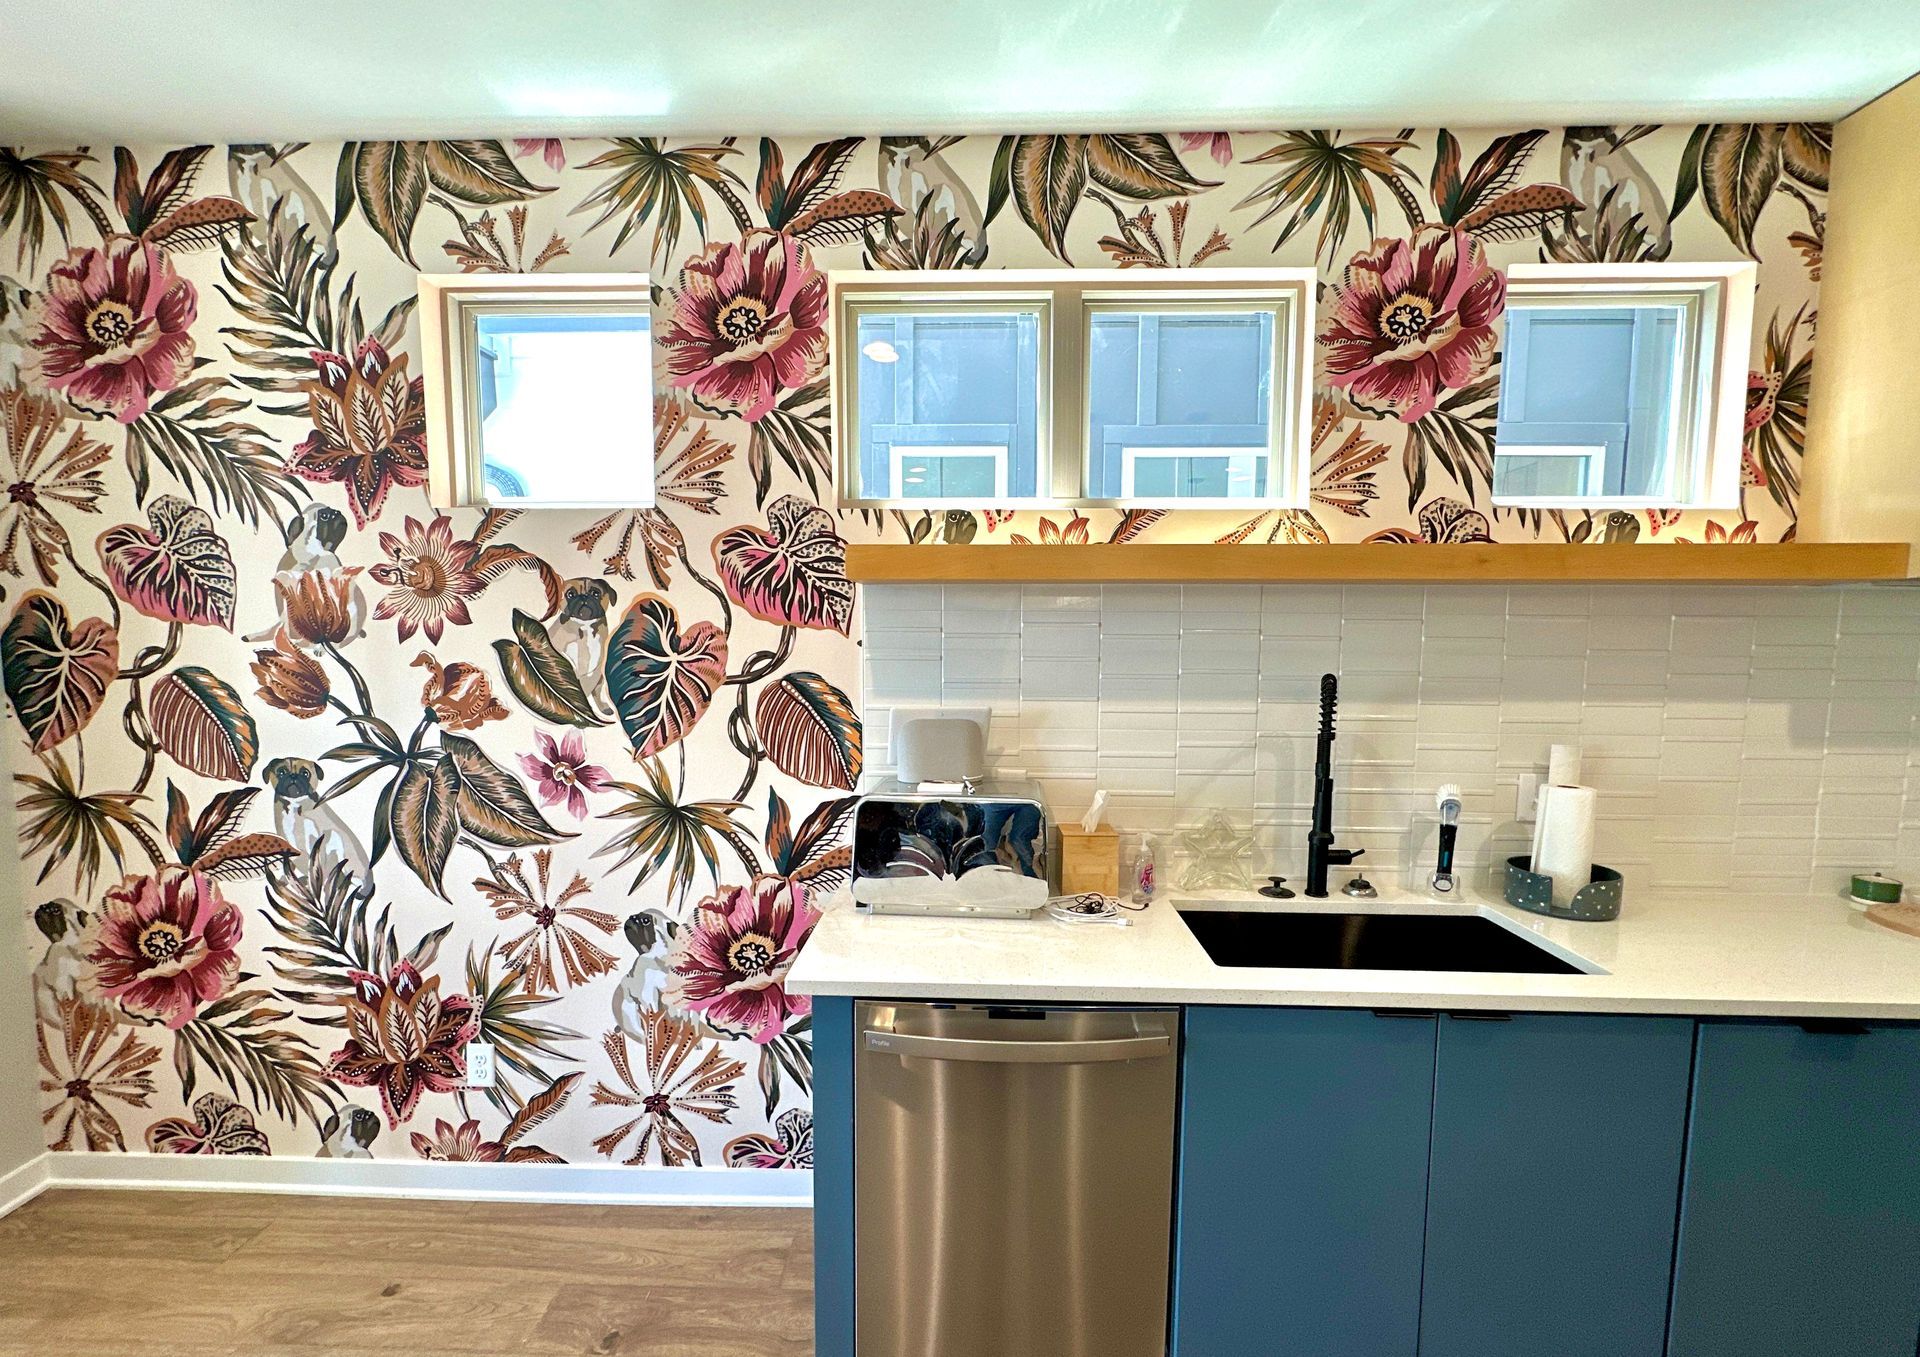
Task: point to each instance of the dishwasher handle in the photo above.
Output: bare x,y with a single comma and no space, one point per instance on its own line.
1019,1052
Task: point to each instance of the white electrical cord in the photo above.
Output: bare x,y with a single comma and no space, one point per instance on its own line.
1090,909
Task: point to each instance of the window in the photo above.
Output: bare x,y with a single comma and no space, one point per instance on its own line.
949,402
1180,402
964,389
1623,386
539,390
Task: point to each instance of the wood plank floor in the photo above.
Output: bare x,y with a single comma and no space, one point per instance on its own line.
167,1274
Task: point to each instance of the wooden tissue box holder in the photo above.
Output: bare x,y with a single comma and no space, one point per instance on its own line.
1089,863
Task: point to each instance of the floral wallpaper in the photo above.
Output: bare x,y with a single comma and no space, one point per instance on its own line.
317,785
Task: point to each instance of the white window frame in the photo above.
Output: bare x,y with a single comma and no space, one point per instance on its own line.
896,478
1065,300
1708,427
450,307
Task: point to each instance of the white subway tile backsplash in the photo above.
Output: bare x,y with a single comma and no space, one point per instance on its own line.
1060,680
1155,688
1722,636
903,680
1486,628
1748,738
1547,635
1231,652
1206,687
1388,645
1131,656
1048,603
1053,640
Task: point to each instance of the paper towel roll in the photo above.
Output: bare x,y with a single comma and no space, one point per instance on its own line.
1564,840
1563,765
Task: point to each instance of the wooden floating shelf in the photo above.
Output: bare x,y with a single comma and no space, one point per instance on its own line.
1357,563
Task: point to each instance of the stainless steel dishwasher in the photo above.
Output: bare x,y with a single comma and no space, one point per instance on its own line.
1014,1188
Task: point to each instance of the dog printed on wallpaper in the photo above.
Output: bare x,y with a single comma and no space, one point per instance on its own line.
579,634
326,850
314,536
63,968
219,365
348,1134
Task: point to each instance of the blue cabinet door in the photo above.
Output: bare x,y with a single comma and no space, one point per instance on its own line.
1302,1186
1557,1143
1800,1224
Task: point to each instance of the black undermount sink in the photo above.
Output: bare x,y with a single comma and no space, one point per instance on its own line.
1301,940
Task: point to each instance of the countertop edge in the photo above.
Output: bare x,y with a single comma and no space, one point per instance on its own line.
1647,1005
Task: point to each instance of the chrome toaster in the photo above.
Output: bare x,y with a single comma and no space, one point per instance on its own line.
980,849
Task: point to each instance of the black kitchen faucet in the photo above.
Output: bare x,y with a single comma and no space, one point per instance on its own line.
1320,850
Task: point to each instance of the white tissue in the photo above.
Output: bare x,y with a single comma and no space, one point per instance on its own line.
1563,840
1095,813
1563,765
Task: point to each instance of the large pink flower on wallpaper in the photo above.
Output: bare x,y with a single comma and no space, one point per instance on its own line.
731,965
749,323
111,328
165,944
1413,318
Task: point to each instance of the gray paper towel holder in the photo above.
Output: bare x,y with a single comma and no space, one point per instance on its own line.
1595,902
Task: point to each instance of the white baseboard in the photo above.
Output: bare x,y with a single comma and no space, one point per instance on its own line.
598,1184
23,1184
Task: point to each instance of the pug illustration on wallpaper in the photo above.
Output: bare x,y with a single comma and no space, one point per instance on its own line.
323,843
579,633
63,966
313,539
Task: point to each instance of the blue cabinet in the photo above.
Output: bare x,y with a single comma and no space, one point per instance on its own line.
1373,1184
832,1177
1800,1225
1557,1142
1302,1182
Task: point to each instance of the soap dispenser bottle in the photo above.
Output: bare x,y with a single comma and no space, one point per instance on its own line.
1146,872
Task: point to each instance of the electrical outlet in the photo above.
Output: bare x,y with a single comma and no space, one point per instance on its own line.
479,1064
1526,801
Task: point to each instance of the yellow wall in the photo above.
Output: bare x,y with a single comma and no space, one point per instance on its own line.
1863,438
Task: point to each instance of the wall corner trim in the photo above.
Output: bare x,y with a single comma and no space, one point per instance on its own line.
579,1184
23,1184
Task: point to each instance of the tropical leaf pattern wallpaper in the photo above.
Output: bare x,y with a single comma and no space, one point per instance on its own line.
312,790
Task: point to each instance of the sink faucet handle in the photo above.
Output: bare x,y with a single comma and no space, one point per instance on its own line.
1343,857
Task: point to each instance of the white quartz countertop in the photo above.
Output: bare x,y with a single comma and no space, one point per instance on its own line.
1728,955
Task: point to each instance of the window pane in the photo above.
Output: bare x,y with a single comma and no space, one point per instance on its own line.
1544,472
965,381
974,474
1605,378
1191,473
566,409
1189,382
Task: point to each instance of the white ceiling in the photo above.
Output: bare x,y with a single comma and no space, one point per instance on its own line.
270,70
